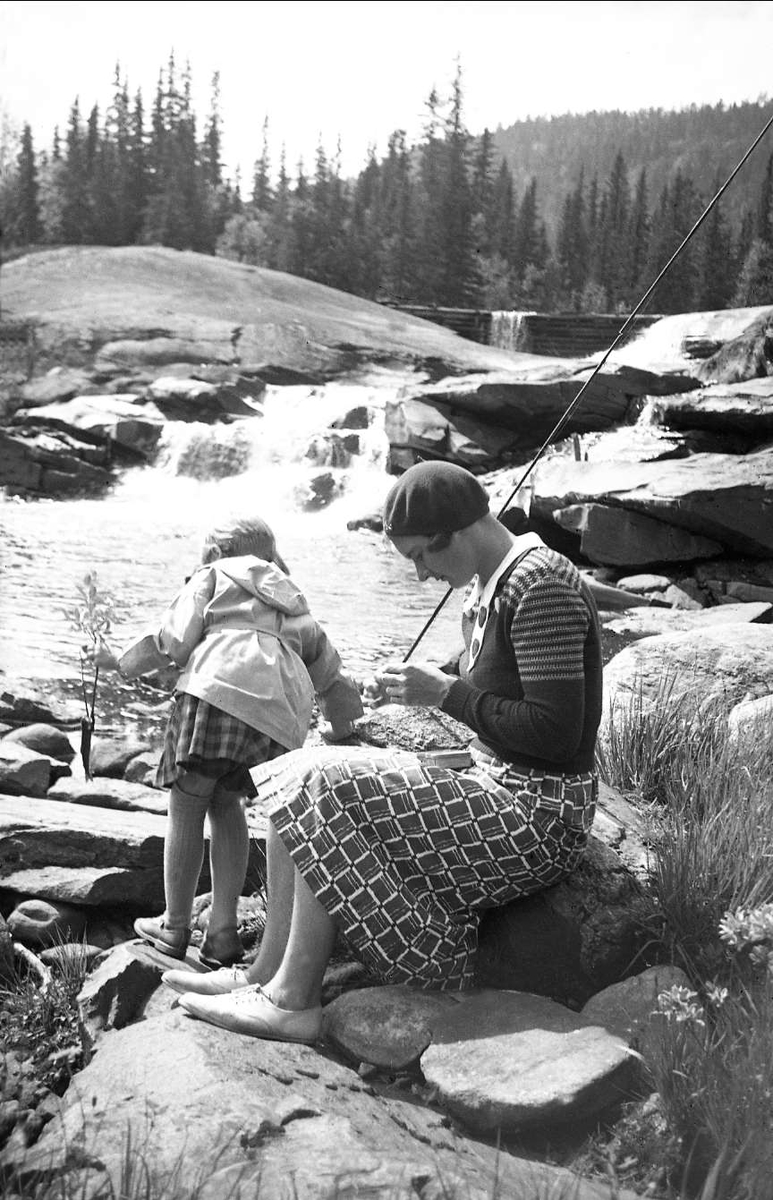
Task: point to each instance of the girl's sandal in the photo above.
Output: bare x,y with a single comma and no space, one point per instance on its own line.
215,961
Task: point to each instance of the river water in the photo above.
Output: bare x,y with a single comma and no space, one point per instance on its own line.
143,538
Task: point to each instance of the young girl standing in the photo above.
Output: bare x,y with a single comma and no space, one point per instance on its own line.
252,659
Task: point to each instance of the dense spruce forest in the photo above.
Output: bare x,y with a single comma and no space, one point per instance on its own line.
571,213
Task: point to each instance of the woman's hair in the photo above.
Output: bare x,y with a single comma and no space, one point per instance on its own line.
235,536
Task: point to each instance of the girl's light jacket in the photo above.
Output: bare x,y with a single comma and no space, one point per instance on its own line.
246,642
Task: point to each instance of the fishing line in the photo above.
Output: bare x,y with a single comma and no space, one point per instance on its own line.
572,407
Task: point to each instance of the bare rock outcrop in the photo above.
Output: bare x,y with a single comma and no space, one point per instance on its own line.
723,499
230,1112
486,418
723,663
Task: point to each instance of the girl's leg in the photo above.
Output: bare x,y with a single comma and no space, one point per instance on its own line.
229,847
184,846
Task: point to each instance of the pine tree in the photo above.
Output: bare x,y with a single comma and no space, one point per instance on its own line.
397,223
261,180
24,224
428,262
482,189
502,219
639,237
613,262
301,248
572,247
765,209
459,279
529,239
677,211
755,282
717,273
211,148
365,267
280,221
76,203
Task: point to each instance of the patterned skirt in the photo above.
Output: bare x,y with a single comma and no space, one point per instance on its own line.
406,855
202,738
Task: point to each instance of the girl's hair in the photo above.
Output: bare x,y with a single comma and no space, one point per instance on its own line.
241,535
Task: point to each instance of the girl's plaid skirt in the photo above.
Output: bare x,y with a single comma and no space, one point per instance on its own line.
406,855
200,737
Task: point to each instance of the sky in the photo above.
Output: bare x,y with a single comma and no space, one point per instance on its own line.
355,71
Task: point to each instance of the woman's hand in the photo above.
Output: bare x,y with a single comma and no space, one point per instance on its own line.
414,683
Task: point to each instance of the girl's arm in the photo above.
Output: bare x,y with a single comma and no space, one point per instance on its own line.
181,628
337,694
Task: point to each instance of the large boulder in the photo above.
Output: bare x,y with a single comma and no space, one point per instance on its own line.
744,409
120,419
506,1060
83,856
56,386
721,497
44,739
418,429
711,663
615,536
51,463
23,772
746,355
530,401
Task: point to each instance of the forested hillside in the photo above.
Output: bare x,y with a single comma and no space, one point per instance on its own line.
573,213
703,143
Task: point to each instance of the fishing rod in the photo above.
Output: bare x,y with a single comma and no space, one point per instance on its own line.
572,407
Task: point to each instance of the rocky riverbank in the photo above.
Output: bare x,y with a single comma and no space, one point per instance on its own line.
407,1090
404,1081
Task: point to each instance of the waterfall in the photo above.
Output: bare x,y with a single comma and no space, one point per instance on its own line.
298,451
509,330
144,535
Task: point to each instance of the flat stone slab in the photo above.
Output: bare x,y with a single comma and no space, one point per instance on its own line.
83,855
510,1060
649,622
102,792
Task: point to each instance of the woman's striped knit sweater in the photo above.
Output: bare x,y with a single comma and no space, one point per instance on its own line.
533,696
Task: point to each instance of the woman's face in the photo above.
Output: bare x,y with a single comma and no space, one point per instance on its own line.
453,564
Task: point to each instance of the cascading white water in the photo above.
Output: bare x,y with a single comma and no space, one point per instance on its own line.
509,330
143,537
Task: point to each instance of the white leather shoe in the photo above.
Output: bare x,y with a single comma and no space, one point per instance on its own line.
250,1011
213,983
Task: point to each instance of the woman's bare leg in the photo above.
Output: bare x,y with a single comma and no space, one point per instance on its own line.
280,892
297,984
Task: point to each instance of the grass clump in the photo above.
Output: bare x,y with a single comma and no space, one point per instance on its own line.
40,1021
709,799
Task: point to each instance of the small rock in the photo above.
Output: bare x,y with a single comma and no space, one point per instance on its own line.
44,739
626,1008
23,772
110,756
44,922
117,991
385,1027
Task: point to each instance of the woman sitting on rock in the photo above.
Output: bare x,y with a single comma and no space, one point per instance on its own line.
402,856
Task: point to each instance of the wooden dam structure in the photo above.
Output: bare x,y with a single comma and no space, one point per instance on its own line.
563,335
